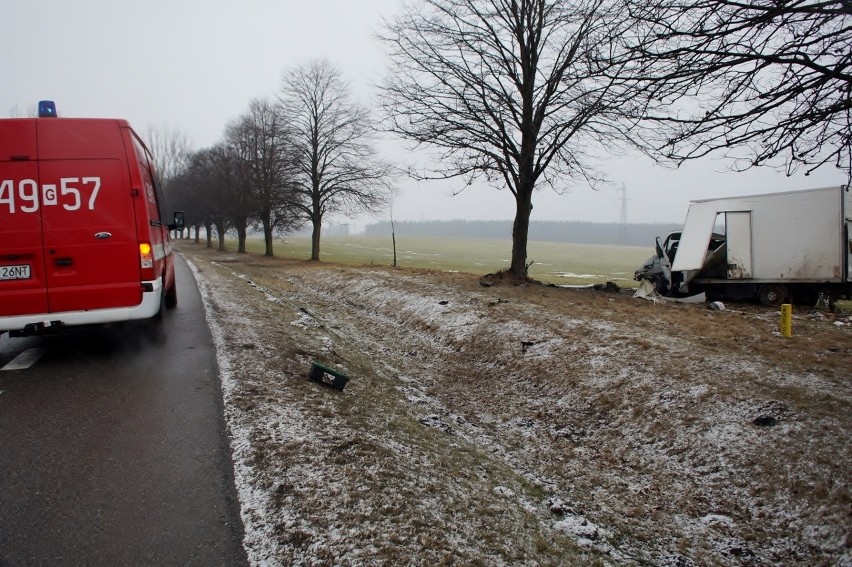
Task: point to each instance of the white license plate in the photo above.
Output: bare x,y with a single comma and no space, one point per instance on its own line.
19,272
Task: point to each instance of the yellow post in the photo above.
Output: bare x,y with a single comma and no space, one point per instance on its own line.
787,320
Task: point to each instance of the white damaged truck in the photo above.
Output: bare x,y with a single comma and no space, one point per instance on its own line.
776,247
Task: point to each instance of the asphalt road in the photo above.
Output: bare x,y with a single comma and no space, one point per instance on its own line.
113,448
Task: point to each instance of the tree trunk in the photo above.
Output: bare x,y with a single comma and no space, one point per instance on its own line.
520,231
209,228
220,232
241,239
197,233
393,238
315,239
267,237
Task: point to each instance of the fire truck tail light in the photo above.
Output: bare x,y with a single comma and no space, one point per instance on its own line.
146,257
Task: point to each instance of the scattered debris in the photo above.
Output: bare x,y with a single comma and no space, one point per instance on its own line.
444,302
774,407
329,376
525,345
646,290
765,421
697,298
739,551
558,506
609,287
434,421
504,276
716,306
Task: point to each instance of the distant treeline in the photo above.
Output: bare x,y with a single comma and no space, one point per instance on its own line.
544,231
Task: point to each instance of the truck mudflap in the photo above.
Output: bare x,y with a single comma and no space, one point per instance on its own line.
42,323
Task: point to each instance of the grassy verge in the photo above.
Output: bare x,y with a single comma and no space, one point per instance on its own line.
524,424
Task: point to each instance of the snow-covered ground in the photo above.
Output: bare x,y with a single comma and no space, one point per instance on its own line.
524,425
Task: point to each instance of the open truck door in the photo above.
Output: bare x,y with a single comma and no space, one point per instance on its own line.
665,283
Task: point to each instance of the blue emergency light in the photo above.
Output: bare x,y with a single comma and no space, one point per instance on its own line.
46,109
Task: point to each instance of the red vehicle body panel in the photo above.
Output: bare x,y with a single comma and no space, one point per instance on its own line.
77,197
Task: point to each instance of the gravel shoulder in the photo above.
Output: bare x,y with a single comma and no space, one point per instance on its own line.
524,425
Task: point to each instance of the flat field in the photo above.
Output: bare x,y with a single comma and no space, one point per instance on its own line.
552,262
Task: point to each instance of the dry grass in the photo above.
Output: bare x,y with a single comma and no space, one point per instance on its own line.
525,424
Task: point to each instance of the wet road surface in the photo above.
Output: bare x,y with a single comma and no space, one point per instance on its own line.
113,448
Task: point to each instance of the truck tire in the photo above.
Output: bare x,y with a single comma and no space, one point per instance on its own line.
170,297
773,295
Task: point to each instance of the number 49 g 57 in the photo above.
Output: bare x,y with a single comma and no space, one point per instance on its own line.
25,198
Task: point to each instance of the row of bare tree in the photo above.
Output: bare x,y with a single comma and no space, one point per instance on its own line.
284,163
527,94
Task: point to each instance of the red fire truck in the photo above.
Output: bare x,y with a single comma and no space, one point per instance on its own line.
83,235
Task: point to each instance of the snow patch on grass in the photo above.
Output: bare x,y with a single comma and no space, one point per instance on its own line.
513,426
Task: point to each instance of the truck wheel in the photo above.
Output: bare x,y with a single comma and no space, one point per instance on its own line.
773,295
170,298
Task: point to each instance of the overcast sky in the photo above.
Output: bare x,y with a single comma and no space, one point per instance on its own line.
193,65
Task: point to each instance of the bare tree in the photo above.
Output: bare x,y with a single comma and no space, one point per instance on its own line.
238,155
336,165
209,183
189,192
31,111
263,143
171,149
761,80
512,91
